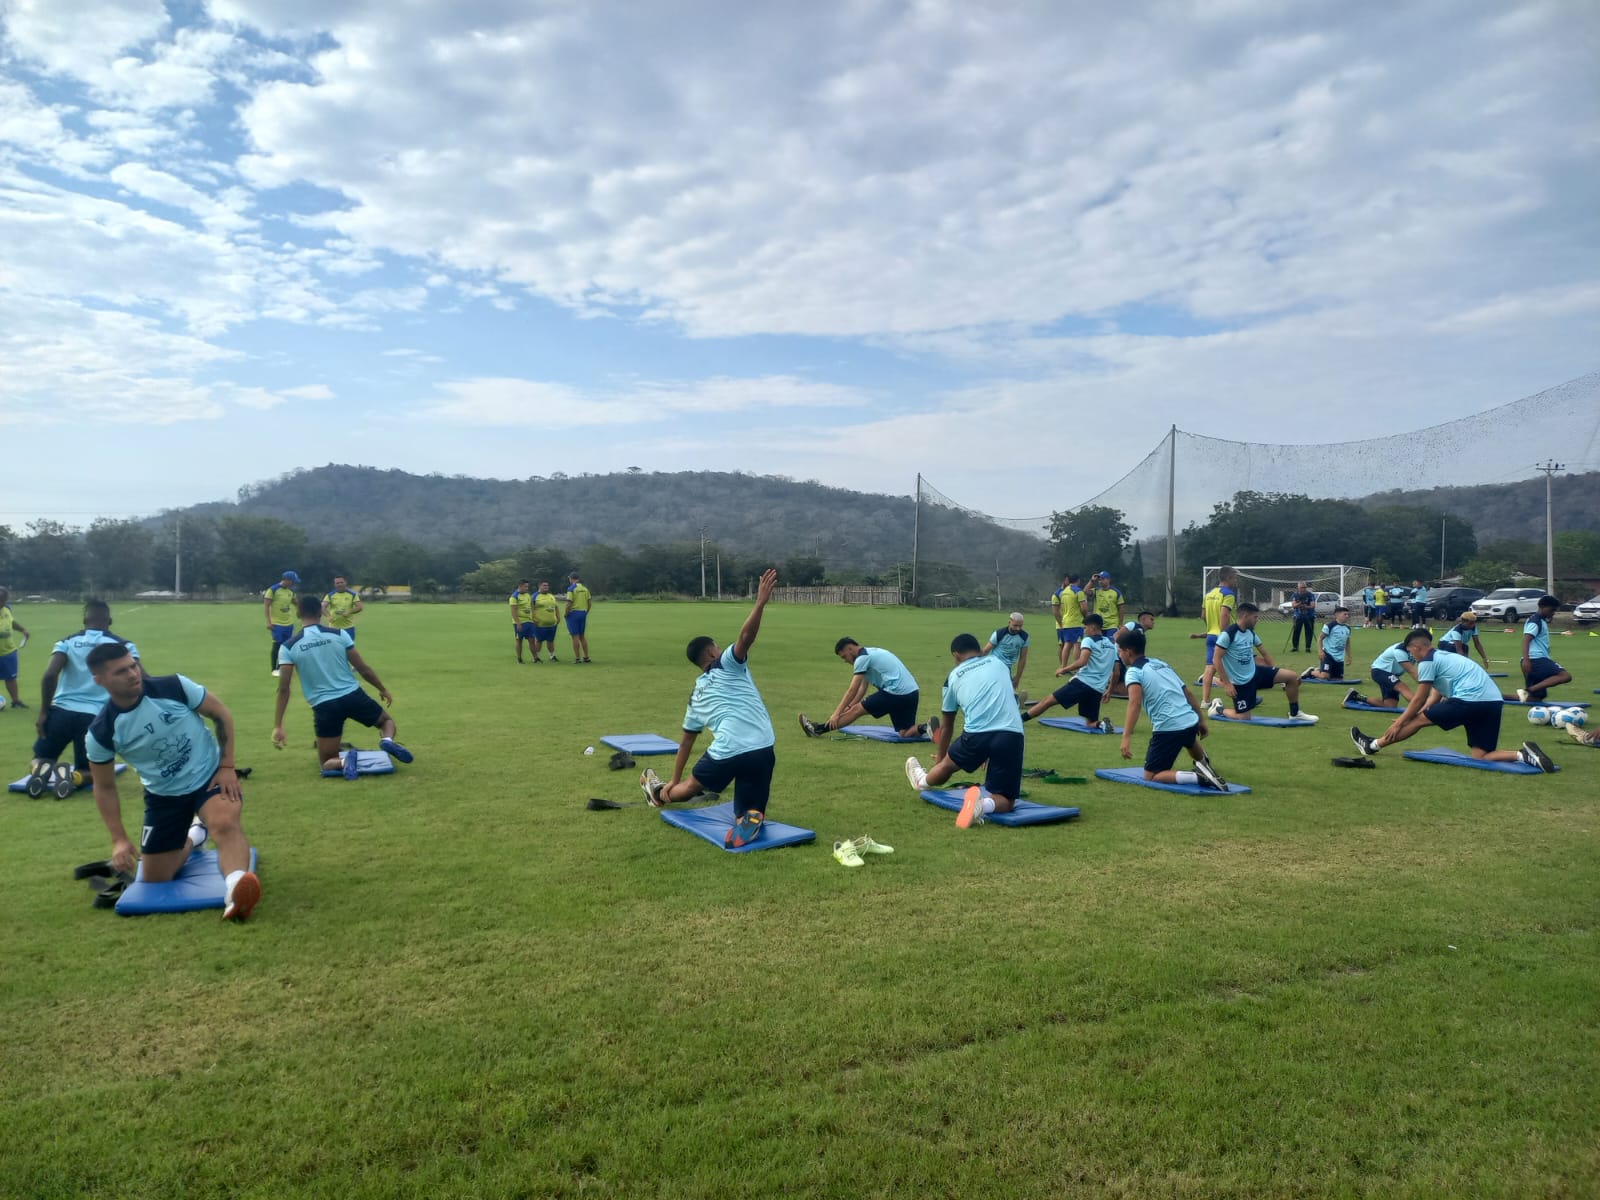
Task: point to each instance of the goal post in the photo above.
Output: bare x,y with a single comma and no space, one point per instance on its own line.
1269,585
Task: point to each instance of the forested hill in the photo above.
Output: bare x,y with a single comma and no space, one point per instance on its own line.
752,515
1509,511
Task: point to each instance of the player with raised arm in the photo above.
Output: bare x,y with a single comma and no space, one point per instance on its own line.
726,701
1177,721
1085,691
1245,668
897,695
190,786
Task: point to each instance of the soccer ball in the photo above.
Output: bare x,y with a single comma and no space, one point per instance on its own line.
1576,717
3,703
1539,715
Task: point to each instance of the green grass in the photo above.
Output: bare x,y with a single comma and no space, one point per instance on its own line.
462,983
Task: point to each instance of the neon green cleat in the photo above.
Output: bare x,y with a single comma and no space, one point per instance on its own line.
865,845
845,852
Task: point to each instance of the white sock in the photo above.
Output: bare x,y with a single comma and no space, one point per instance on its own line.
228,883
198,834
988,805
1187,777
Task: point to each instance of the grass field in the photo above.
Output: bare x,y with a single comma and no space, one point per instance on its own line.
462,983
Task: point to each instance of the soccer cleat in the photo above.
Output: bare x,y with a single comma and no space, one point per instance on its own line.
39,777
19,704
933,727
1306,674
1304,718
395,748
243,899
1106,726
275,674
1522,694
1208,776
915,774
1215,708
865,845
651,783
198,833
746,829
1353,696
808,727
846,854
1588,737
1536,757
1367,746
971,808
352,765
553,658
62,784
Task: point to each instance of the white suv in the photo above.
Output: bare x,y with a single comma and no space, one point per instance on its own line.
1588,611
1508,604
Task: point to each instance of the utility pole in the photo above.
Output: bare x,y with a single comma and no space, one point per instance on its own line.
702,562
177,563
1549,467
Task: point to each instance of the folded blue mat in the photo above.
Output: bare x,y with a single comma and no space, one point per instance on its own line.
1459,758
880,733
1135,776
21,785
640,743
1547,704
712,824
1377,708
1025,812
1075,725
368,762
197,885
1263,722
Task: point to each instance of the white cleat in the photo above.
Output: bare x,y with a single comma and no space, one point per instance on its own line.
915,774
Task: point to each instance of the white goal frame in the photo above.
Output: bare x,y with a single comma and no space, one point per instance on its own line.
1274,581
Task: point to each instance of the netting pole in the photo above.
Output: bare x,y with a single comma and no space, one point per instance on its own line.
916,530
1549,467
1172,541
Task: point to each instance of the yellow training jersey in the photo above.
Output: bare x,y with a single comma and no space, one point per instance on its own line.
281,604
546,609
1106,600
8,630
522,607
1216,600
579,595
338,606
1071,601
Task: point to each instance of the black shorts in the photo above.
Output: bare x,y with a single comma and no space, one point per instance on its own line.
1166,745
63,728
1081,696
167,819
1480,718
1457,647
1540,669
1386,682
749,774
1001,749
901,710
328,718
1333,670
1245,697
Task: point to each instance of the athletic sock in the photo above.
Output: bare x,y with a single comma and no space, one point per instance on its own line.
988,805
1188,777
1294,709
228,883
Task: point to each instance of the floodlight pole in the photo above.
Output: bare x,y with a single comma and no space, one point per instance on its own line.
1549,467
916,530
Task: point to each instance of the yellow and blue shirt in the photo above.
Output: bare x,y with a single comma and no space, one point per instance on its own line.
546,609
339,606
1216,600
281,604
522,607
578,596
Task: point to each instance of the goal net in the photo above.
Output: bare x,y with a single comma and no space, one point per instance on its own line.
1269,587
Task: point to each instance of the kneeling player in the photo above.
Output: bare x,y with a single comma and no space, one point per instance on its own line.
1177,721
1389,671
1333,647
1244,668
69,702
1540,672
1096,653
1470,701
980,687
897,696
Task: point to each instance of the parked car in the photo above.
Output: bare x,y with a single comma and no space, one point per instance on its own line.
1588,611
1326,603
1508,604
1450,603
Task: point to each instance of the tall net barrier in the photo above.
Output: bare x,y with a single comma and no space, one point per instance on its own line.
1270,587
1187,474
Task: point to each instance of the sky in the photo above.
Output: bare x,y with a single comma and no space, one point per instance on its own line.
1004,245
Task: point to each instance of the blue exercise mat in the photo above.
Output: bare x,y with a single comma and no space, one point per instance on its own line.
1263,722
368,762
198,885
1344,683
640,743
1135,776
21,785
713,823
1547,704
881,733
1458,758
1024,812
1363,706
1075,725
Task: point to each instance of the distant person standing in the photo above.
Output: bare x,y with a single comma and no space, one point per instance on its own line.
1380,604
278,605
1419,603
341,605
1106,600
578,602
1066,606
1397,605
1303,602
546,616
1217,605
9,645
69,699
1369,606
522,618
1010,646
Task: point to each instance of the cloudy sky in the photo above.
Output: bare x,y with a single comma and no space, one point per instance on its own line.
845,239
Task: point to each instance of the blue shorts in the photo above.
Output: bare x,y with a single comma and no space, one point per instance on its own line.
1066,636
1330,668
1001,749
8,665
749,774
1540,669
525,630
282,633
901,710
1165,746
577,622
167,819
1480,718
1211,648
1386,682
328,718
1081,696
545,633
1245,697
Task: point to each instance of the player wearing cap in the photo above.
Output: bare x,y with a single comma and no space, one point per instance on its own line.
578,602
277,604
1105,598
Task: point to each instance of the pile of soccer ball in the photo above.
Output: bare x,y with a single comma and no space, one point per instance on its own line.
1577,718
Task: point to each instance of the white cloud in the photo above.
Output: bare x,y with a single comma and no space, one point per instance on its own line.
309,391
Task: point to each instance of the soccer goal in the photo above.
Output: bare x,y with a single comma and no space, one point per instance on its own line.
1268,587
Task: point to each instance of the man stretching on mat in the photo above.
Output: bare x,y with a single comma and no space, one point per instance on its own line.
1389,671
1539,670
1144,623
980,687
1470,700
725,700
897,696
1088,688
328,664
1177,722
1463,631
1333,647
190,786
1243,665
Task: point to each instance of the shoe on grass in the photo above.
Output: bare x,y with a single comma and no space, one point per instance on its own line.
865,845
62,784
847,855
810,728
1106,726
1304,718
1353,696
917,777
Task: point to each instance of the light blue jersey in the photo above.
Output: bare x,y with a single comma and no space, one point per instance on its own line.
1008,644
161,737
1461,634
1096,673
76,690
1391,660
1538,629
1369,597
981,688
1335,640
320,655
1162,698
884,671
1419,598
1457,677
725,701
1238,648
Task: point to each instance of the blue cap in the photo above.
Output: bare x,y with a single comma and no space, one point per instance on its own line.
291,577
